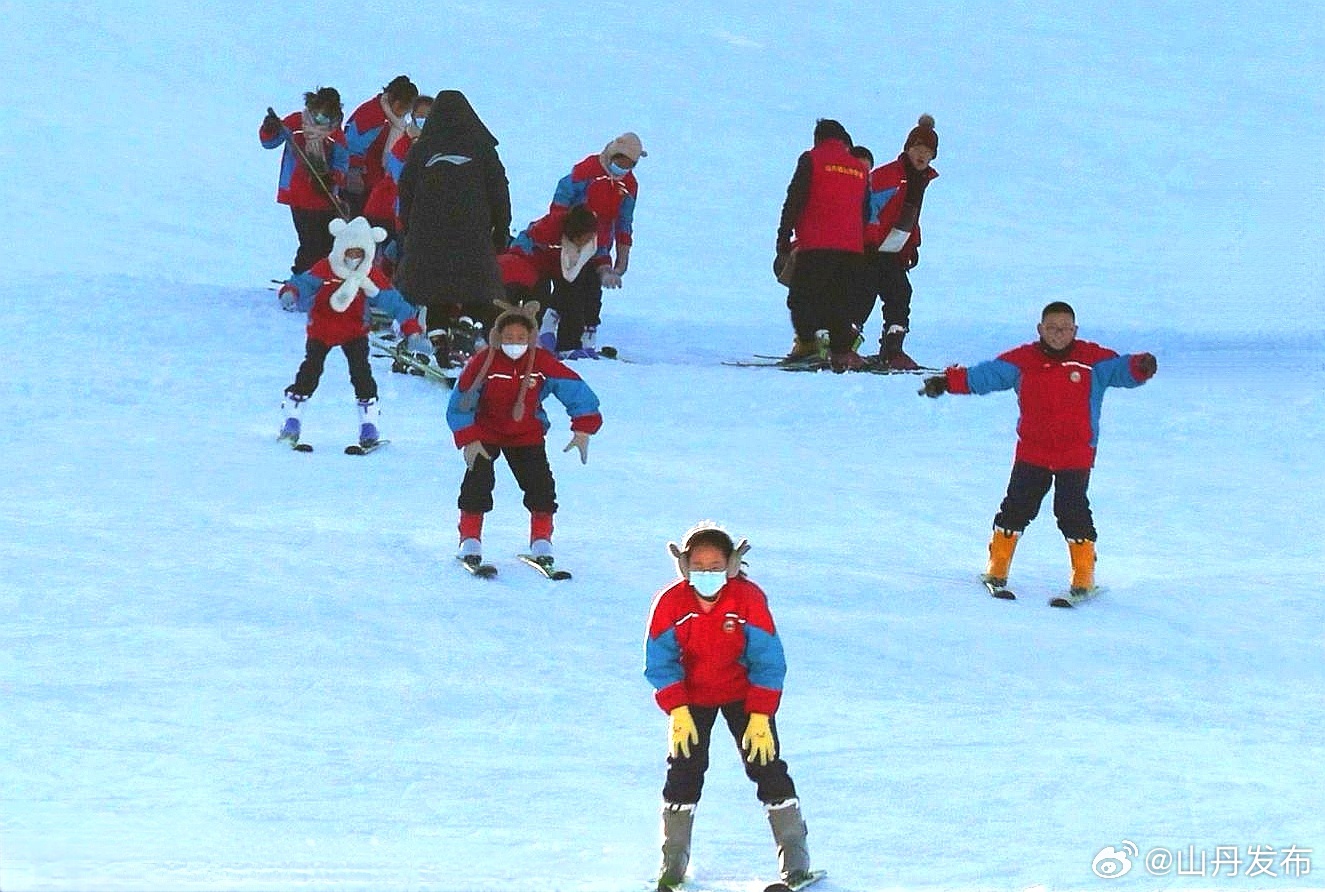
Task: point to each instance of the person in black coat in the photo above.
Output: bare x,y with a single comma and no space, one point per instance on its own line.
455,206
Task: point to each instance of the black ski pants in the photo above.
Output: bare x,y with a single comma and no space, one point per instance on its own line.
1026,490
315,360
315,239
685,774
532,473
579,305
886,278
828,291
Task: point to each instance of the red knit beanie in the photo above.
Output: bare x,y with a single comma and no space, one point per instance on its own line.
923,134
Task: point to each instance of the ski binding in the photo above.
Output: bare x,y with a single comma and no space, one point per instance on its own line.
997,587
474,564
364,447
795,884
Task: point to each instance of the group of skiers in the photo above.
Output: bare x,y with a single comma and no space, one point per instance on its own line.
847,234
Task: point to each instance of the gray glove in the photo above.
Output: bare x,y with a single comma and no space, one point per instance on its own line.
579,440
472,452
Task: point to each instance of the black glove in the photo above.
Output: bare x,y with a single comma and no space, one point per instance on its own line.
913,260
935,386
272,121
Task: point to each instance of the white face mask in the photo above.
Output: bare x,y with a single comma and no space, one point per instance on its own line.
708,582
514,351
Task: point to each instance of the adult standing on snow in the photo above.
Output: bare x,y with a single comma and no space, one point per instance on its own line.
313,168
606,184
712,649
823,223
496,408
371,132
892,236
455,206
1060,383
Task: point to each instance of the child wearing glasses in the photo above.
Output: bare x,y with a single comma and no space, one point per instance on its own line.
1060,383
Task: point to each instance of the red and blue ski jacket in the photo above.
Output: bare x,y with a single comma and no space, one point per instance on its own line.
490,419
611,200
1060,397
365,135
729,654
887,196
296,186
335,328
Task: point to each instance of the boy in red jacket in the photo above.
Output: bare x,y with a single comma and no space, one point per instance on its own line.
712,648
1060,383
496,408
338,294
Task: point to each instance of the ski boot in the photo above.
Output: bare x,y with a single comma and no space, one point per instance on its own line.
1082,552
789,834
892,354
368,434
677,823
292,427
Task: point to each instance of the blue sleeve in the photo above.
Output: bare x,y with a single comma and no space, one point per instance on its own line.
457,417
1115,372
764,660
307,284
662,660
340,157
995,374
389,300
569,193
878,200
358,140
625,221
572,393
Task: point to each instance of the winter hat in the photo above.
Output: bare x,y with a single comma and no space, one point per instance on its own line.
357,233
923,134
708,532
627,144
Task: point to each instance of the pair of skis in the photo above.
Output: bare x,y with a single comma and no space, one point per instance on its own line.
998,588
542,564
819,364
402,360
360,448
795,885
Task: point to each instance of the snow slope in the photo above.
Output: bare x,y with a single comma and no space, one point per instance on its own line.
227,666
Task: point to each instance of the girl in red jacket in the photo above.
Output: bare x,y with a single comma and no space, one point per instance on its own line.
496,408
712,649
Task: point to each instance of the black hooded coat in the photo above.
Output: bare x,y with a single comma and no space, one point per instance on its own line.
455,204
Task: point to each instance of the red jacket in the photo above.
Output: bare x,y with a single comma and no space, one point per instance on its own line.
491,419
325,324
1060,397
611,200
296,186
826,200
381,204
887,196
729,654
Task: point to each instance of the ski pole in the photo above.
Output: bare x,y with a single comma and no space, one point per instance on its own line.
317,177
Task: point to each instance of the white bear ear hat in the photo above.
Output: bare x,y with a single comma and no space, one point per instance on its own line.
356,233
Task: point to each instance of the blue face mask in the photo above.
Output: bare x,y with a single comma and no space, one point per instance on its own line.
708,582
617,170
418,122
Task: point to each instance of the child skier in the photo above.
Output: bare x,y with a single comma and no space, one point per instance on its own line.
495,408
712,648
338,294
1060,382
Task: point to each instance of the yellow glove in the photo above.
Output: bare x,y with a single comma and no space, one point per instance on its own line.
682,732
758,739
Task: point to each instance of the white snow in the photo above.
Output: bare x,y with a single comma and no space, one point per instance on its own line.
224,665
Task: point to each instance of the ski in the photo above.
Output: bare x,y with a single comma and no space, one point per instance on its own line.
797,884
474,564
545,565
362,448
1073,597
997,587
293,443
404,362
